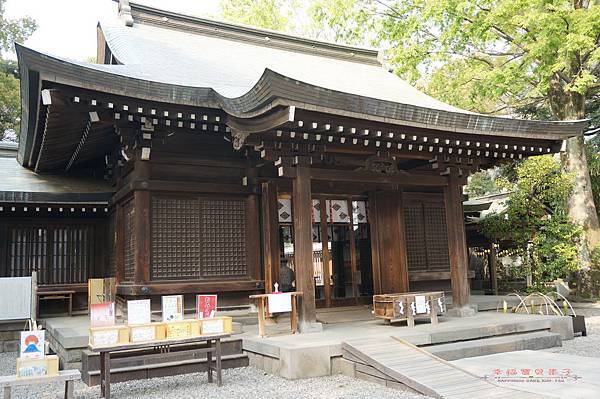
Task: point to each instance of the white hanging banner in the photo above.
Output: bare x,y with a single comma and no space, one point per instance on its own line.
279,303
421,303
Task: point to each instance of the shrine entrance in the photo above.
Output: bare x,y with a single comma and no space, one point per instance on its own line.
341,245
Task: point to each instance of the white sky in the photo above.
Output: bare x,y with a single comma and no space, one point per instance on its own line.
68,27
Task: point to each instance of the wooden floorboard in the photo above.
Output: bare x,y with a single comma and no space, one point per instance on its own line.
396,360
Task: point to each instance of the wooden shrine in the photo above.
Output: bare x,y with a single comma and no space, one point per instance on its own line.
239,158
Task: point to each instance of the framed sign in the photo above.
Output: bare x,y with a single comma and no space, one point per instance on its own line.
138,311
102,314
32,344
172,307
206,306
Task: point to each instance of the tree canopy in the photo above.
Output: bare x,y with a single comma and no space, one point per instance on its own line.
11,30
535,219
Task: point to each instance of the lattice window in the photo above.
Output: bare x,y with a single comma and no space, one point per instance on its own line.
436,235
426,236
28,252
176,252
60,254
223,242
197,238
128,241
416,252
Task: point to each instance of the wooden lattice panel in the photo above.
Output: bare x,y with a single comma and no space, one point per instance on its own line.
27,251
176,252
128,241
426,235
59,253
223,243
436,236
416,252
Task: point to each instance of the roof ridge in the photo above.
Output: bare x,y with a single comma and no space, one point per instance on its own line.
147,15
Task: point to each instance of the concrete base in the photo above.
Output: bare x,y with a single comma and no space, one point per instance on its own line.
295,356
312,327
10,335
464,311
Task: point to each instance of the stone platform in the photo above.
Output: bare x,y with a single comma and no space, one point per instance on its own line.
319,354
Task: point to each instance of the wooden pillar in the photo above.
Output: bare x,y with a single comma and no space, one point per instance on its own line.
374,230
457,242
119,243
270,227
326,258
493,265
303,251
142,237
141,222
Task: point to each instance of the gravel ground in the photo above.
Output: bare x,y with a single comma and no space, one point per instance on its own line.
584,346
242,383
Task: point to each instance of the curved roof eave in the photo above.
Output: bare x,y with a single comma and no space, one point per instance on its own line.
274,89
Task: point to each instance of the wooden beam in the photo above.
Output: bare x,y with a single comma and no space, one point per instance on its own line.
402,179
457,242
270,228
303,249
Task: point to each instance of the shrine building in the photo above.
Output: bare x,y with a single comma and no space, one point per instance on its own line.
200,156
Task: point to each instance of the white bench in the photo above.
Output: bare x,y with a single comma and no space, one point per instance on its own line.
66,376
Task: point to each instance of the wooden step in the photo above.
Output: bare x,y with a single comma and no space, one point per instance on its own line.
120,374
488,346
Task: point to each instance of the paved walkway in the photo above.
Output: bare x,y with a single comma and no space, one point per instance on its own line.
552,375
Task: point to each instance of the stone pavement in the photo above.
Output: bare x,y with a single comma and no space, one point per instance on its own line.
582,379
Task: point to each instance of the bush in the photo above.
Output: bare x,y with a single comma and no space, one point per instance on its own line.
596,258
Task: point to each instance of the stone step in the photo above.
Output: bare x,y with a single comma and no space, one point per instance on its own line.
498,344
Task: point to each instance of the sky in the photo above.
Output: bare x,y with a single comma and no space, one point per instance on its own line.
68,27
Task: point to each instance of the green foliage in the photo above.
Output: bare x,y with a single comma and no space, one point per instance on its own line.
266,14
536,218
596,259
344,21
10,100
498,54
11,30
480,184
14,30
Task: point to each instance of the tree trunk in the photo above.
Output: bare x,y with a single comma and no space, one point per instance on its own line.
582,209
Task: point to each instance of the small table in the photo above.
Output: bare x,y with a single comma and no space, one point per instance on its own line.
53,295
164,346
262,309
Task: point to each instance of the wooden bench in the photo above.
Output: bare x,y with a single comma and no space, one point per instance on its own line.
55,295
213,347
66,376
